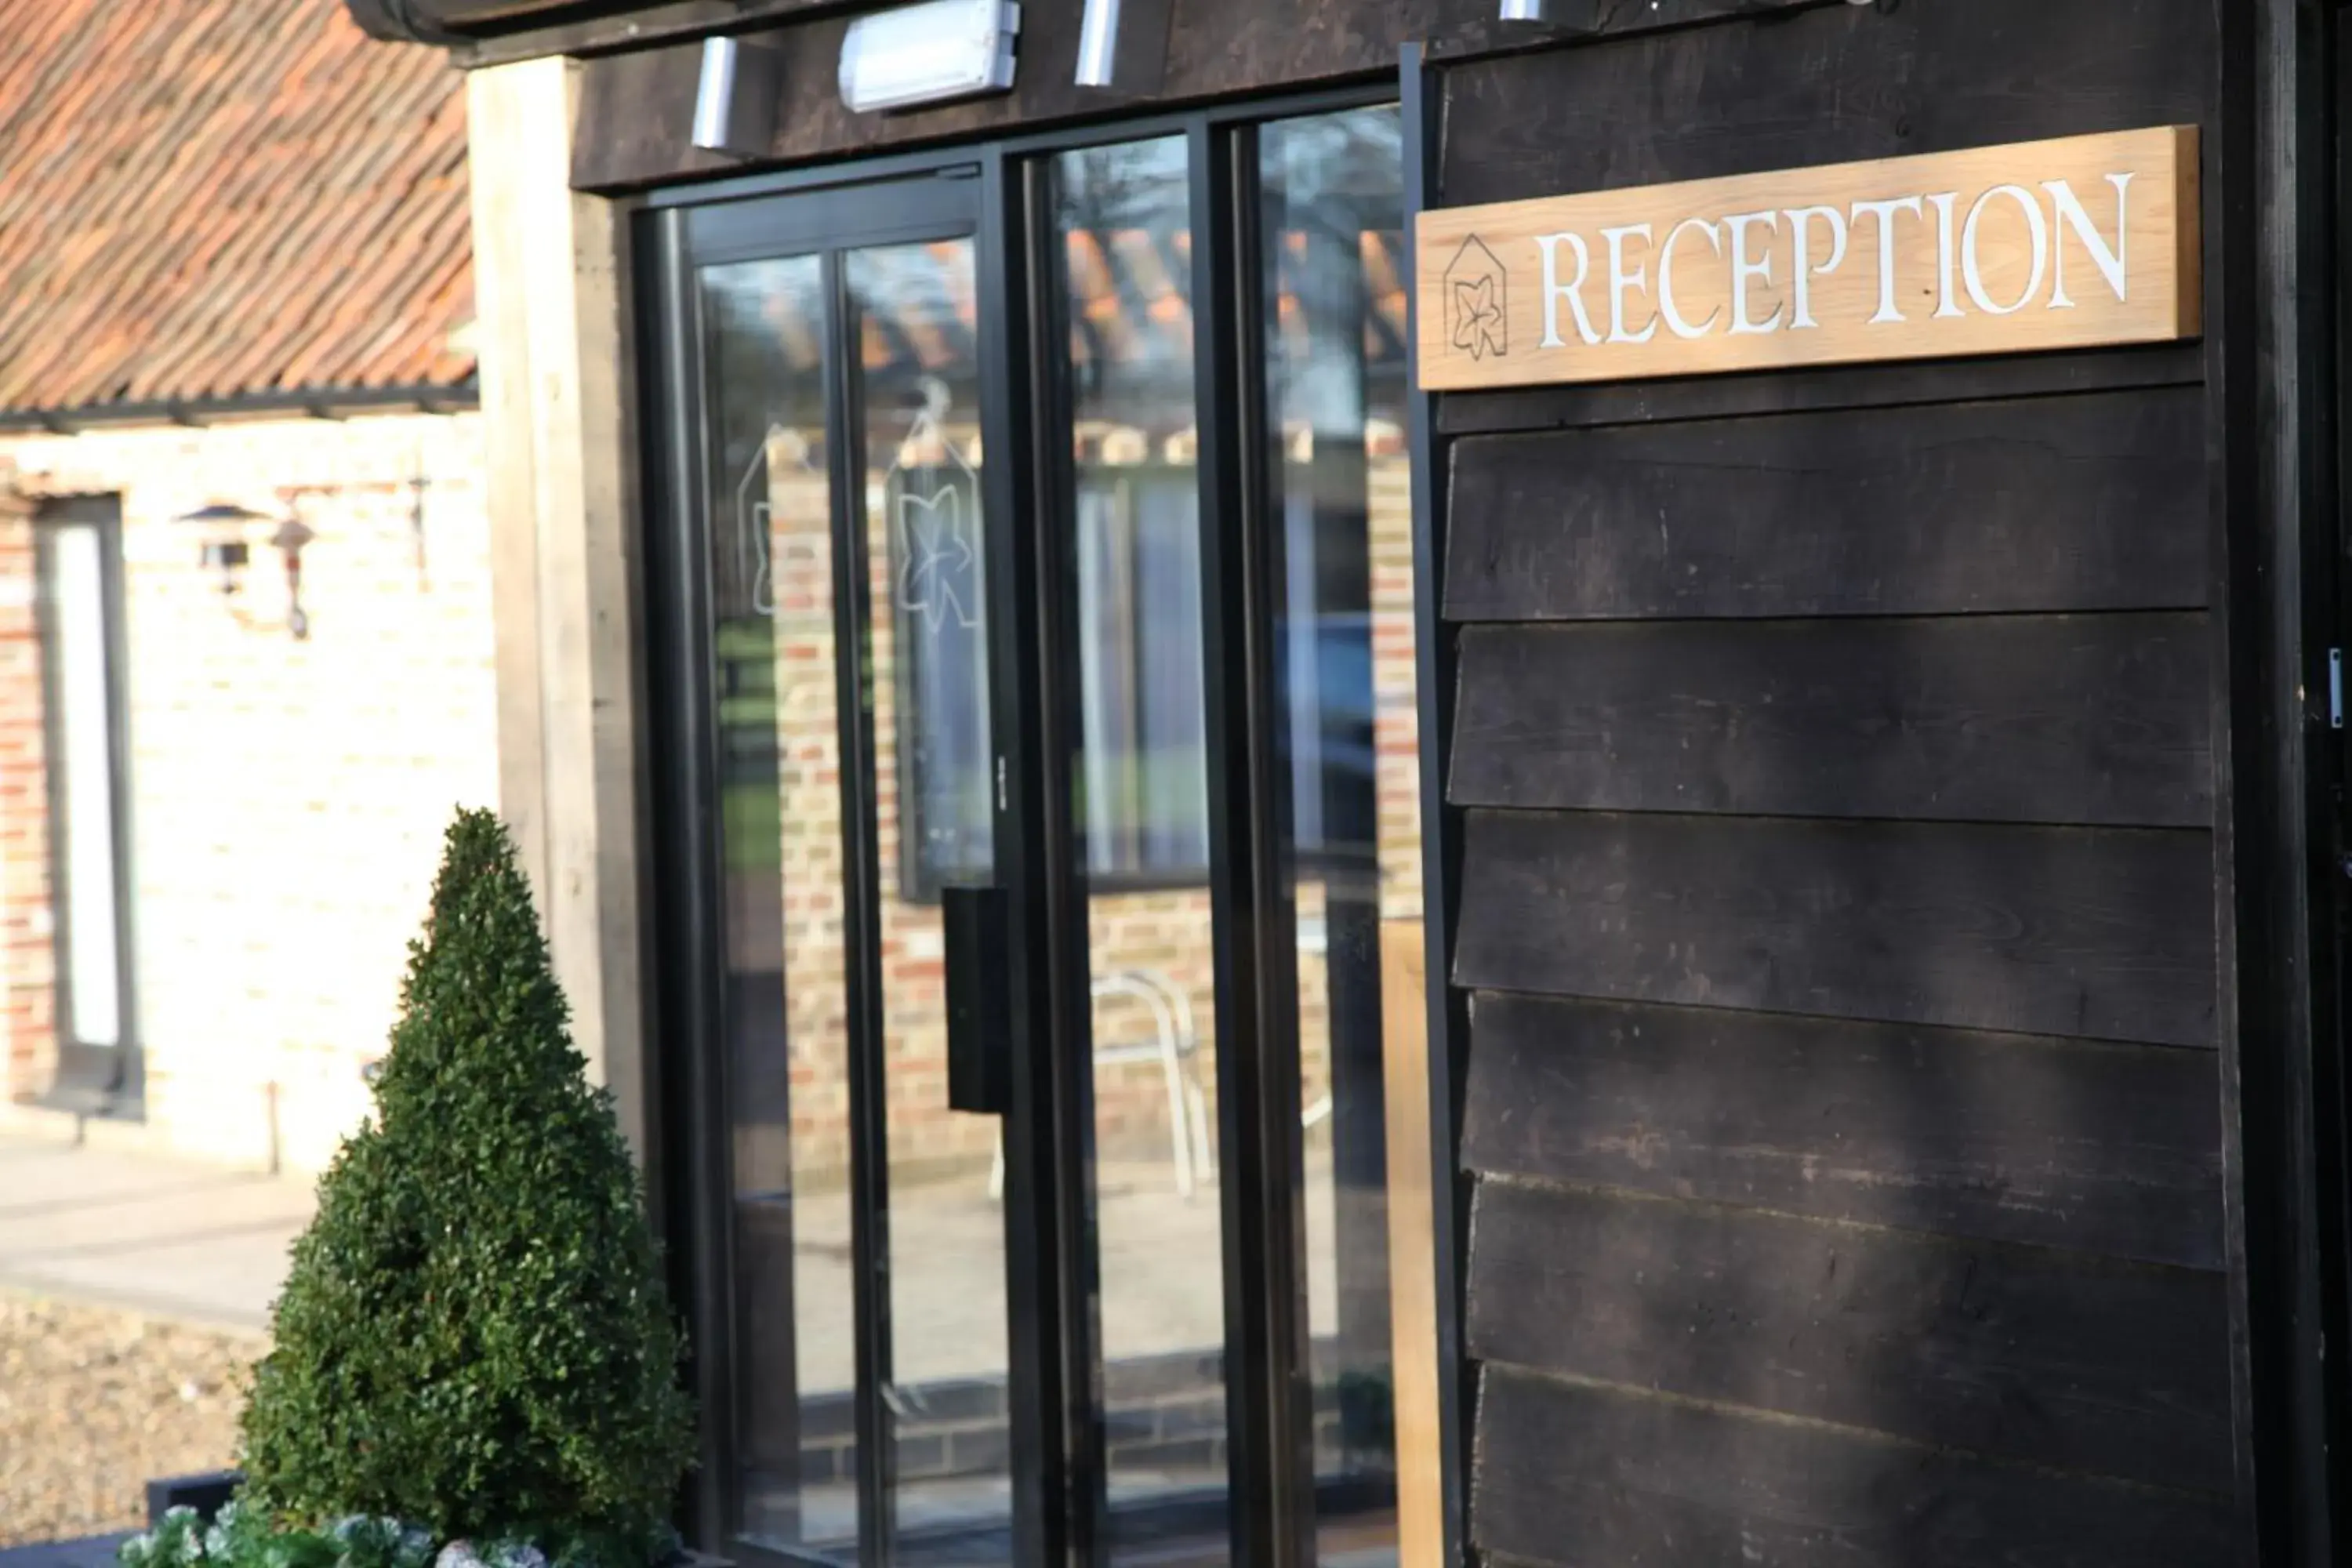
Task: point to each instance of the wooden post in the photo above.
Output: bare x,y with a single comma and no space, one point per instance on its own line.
552,302
1413,1247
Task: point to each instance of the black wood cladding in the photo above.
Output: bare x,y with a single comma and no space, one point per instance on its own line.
637,108
1834,755
2067,503
2107,933
1582,1477
2080,718
2016,1352
2000,1137
1821,87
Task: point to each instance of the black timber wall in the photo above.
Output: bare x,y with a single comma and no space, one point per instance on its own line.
1832,775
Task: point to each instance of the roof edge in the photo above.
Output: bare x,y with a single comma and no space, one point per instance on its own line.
317,403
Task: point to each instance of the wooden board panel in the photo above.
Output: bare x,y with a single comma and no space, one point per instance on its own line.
1413,1241
1823,87
2091,502
1584,1477
2108,1149
2092,719
2099,932
1830,389
2080,242
2016,1352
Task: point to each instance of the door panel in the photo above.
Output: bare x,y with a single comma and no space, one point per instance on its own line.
983,971
774,635
944,1369
1134,510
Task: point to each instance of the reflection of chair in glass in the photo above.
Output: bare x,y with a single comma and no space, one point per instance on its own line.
1173,1045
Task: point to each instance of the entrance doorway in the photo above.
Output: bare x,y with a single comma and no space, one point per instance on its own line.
77,572
1033,595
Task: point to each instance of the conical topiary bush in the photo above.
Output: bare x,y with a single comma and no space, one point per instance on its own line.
474,1335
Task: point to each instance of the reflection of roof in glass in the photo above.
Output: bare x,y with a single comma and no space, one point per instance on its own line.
1133,307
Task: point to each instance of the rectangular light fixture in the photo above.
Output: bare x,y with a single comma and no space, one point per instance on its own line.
929,53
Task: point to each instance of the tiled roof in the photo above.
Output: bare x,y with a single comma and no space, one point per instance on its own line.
207,199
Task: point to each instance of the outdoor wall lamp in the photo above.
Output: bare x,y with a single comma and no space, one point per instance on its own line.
227,553
735,99
1123,43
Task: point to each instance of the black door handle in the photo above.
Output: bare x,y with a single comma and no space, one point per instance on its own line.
976,924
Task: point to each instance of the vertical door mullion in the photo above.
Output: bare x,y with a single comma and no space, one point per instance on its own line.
1028,860
691,927
1269,1411
1420,104
1064,1078
869,1155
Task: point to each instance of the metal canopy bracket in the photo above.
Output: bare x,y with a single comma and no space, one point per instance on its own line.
735,101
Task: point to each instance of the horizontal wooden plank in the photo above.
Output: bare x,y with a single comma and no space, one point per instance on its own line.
1580,1476
2015,1353
2075,719
2077,503
2101,932
2108,1149
1829,388
1823,87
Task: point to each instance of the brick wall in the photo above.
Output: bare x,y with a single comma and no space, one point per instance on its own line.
287,798
26,1042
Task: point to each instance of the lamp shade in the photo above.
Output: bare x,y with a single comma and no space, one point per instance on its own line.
221,514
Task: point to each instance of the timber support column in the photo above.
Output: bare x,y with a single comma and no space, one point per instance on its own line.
552,303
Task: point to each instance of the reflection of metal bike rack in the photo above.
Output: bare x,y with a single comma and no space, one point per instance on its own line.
1173,1044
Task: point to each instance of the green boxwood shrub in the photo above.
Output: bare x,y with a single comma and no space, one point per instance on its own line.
474,1338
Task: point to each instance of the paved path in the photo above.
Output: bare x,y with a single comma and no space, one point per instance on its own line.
157,1236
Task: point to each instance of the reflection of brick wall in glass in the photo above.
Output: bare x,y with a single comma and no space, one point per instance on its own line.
1162,931
1397,722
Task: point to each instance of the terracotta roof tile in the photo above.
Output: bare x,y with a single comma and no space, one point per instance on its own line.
205,199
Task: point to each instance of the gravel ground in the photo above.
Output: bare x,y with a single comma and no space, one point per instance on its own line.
94,1402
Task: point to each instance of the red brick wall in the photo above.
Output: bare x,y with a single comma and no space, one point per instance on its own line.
26,1042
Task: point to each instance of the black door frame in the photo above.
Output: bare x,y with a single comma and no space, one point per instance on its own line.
113,1075
909,203
1058,1430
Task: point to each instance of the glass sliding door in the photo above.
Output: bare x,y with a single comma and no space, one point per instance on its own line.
1123,243
1331,217
1036,784
838,594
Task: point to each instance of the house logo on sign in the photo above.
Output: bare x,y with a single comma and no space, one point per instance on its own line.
1479,303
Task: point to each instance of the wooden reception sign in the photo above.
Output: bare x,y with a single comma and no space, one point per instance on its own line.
2086,241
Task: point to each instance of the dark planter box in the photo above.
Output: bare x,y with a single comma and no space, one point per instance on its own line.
207,1494
210,1492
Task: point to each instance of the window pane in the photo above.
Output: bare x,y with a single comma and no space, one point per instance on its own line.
1143,780
772,574
85,772
934,817
1333,219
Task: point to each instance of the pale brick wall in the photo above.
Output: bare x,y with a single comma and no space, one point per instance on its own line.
288,797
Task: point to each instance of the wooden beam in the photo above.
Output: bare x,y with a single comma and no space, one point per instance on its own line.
1412,1245
552,296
